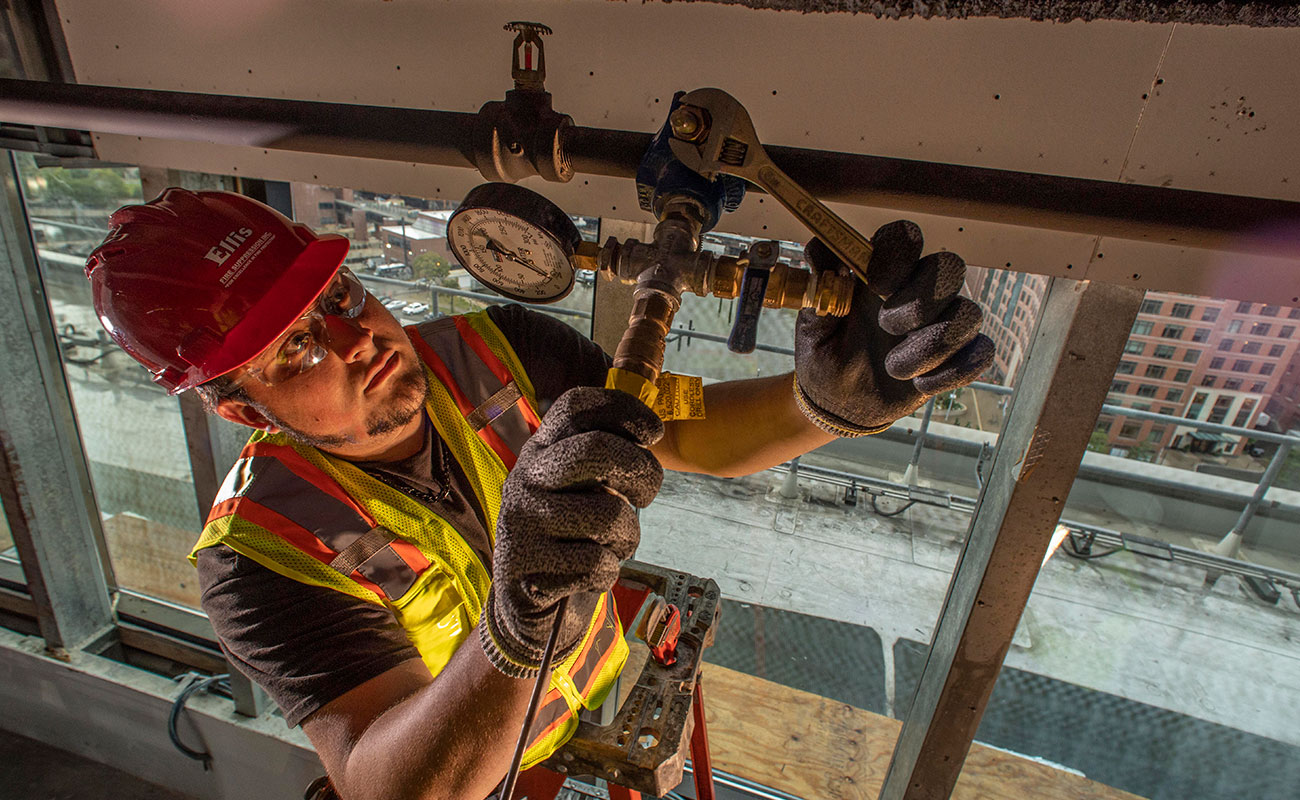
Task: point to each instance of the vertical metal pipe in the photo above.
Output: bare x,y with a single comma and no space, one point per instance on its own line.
790,485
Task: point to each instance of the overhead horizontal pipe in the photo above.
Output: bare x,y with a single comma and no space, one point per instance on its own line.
1207,220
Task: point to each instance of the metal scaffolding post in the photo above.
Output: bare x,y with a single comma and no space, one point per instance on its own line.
44,478
1076,347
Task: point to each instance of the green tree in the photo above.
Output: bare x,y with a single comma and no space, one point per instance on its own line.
1142,451
89,187
1099,442
431,266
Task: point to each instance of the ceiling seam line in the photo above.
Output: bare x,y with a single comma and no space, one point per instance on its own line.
1151,93
1132,142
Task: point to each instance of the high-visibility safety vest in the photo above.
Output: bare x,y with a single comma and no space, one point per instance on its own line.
323,521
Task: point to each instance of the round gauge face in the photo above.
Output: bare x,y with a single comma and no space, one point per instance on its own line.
519,259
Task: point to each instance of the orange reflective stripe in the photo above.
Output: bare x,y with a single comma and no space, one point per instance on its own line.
223,509
489,358
309,472
596,650
410,554
490,437
553,713
299,538
293,495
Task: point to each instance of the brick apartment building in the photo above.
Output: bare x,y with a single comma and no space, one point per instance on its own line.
1220,361
1010,301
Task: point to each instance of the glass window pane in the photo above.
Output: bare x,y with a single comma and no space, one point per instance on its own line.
814,568
1132,663
131,430
399,250
7,549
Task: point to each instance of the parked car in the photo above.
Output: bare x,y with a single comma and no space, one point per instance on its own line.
393,305
415,309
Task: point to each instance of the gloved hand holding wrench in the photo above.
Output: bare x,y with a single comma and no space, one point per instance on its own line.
908,336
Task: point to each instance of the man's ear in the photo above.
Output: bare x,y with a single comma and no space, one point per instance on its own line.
241,413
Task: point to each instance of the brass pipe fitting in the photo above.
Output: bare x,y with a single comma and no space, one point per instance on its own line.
641,350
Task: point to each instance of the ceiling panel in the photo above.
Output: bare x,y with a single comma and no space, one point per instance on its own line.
1013,94
1226,115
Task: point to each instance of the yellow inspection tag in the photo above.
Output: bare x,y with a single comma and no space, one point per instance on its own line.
679,397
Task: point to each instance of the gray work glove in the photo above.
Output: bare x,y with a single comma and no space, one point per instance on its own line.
566,521
855,375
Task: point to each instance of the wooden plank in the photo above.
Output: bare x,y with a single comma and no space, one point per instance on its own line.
814,747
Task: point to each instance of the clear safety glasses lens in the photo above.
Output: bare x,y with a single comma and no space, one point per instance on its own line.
303,346
344,297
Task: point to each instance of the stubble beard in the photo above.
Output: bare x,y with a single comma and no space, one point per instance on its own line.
409,396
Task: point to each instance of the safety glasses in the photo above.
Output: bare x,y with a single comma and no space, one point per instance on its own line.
303,346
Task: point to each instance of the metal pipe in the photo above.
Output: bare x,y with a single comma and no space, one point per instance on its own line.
966,505
1265,483
400,134
1125,211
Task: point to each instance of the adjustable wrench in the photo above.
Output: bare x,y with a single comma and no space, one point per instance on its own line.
712,133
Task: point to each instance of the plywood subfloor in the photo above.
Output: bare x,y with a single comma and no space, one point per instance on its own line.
813,747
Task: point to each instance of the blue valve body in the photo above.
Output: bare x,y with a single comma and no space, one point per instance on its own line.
661,175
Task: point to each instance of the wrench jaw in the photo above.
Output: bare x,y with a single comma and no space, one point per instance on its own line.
725,142
717,135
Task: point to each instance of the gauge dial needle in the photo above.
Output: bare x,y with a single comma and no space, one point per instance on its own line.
496,248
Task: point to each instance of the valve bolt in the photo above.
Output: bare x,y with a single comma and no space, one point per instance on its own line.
687,124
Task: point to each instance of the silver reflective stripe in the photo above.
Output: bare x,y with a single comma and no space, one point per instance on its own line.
361,550
494,406
477,382
270,483
237,481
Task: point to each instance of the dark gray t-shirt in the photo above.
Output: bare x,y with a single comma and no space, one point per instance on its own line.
306,645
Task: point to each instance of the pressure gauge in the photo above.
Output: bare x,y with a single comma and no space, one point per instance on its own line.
515,241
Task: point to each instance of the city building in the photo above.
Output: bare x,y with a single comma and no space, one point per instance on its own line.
426,234
1010,301
1212,360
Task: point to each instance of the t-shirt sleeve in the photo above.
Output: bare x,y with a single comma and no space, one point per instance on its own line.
304,645
555,356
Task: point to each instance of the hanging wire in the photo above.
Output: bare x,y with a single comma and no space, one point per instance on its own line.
880,513
197,683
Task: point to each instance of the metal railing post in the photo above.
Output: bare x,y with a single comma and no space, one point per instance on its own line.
912,472
1230,544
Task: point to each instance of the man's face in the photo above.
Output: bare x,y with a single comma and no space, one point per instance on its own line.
359,401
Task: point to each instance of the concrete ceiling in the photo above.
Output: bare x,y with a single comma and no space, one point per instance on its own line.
1193,106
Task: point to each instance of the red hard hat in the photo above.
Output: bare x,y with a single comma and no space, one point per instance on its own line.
194,284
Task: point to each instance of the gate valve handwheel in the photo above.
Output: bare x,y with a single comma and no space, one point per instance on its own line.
753,288
712,134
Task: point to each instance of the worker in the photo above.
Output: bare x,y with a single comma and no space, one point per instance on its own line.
386,556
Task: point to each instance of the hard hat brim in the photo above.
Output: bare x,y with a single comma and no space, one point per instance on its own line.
282,305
